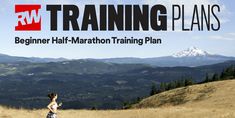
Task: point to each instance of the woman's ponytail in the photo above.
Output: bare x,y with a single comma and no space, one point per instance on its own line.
51,95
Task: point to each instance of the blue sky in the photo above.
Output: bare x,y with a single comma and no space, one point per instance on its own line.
221,42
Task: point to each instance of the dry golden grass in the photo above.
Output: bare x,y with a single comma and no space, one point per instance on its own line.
169,112
220,95
213,100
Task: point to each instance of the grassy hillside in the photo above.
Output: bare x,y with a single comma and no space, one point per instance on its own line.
219,95
211,100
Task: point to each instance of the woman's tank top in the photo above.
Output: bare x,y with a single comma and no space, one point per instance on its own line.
54,106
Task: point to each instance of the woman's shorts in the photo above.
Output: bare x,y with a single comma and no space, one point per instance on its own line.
51,115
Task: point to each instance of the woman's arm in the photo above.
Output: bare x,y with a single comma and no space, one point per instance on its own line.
49,107
60,104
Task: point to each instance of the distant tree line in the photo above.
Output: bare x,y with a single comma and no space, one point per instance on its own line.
128,104
226,74
171,85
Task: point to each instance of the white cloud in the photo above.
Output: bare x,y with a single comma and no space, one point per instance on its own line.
232,33
227,36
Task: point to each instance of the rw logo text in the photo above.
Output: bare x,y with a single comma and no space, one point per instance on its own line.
28,17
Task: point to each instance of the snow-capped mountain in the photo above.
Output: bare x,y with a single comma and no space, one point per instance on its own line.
190,57
191,52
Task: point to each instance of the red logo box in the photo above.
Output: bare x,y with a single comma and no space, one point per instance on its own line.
29,18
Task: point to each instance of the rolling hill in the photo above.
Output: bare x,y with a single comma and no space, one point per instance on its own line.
218,95
14,59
